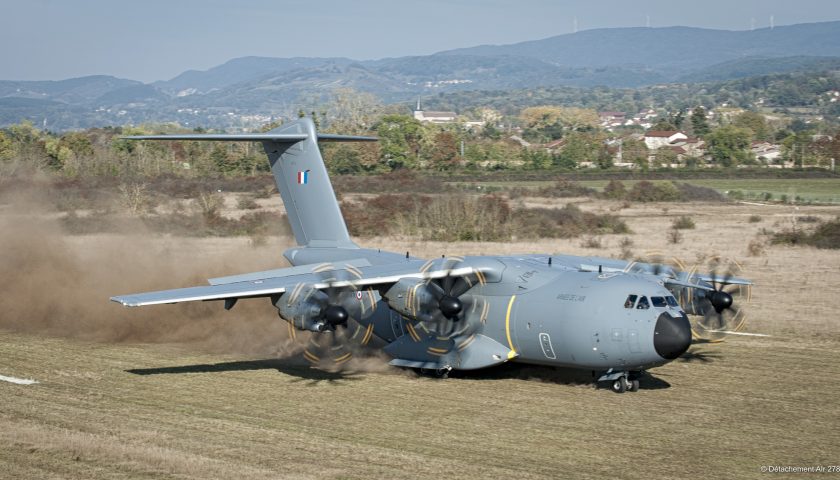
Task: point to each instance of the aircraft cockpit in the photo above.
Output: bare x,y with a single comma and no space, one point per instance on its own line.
641,302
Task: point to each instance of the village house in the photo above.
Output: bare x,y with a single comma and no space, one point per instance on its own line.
767,152
656,139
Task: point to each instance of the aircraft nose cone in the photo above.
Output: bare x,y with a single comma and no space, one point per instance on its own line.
671,336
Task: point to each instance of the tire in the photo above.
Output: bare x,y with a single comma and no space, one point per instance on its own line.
634,386
619,385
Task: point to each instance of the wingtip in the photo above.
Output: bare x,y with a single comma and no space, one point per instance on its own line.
124,301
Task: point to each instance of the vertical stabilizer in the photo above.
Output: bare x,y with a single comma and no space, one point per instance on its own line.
304,184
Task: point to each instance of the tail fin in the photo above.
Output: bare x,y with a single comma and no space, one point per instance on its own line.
301,178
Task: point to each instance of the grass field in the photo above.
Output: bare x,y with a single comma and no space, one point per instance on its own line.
149,411
170,392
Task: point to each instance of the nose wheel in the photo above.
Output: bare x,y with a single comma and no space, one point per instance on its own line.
622,381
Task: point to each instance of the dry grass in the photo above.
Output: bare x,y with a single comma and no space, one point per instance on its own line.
229,401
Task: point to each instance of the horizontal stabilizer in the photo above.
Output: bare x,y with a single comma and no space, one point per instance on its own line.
254,137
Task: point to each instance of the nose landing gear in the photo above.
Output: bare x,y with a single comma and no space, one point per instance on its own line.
622,381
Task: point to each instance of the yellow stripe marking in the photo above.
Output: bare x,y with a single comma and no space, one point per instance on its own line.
343,358
507,327
368,334
466,343
412,332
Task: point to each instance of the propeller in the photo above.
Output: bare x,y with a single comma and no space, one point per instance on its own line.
449,318
719,310
333,315
439,312
712,312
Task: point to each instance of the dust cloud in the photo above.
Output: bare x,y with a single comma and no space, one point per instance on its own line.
56,284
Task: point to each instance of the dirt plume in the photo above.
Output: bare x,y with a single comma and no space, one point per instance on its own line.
59,285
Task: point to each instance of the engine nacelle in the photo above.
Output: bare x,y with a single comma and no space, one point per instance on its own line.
412,298
302,307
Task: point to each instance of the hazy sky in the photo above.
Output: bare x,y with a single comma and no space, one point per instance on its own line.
157,39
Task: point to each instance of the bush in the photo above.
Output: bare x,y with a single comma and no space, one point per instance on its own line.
825,235
615,190
247,203
756,248
646,191
591,242
683,223
754,219
674,236
462,217
694,193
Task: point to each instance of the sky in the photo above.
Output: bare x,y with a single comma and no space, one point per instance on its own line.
152,40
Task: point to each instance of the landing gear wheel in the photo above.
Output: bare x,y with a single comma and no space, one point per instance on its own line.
442,373
619,385
634,386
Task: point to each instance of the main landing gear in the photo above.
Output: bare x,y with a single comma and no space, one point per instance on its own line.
440,372
622,381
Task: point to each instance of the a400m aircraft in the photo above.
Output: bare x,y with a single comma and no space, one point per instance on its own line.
609,316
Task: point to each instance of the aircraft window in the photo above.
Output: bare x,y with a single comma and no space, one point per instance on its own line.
643,304
659,302
631,300
672,301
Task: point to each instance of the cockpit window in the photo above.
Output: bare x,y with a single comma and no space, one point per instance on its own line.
643,304
672,301
631,300
658,302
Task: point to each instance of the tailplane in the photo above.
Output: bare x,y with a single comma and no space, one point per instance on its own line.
301,178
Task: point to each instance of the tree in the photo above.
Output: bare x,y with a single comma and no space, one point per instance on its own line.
352,112
399,139
583,147
663,125
634,151
729,145
699,125
6,148
755,122
444,152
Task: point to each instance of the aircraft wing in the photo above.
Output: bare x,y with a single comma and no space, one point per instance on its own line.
282,280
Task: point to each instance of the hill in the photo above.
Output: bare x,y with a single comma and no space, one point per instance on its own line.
252,89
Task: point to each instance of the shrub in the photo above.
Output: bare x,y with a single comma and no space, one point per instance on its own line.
591,242
683,223
754,219
825,235
462,217
646,191
756,248
695,193
615,190
674,236
247,203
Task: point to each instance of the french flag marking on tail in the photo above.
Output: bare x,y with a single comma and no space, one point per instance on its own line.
303,177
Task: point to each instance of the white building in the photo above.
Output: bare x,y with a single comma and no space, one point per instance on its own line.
655,139
433,117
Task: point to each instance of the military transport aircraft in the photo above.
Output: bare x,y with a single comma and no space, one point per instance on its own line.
610,316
